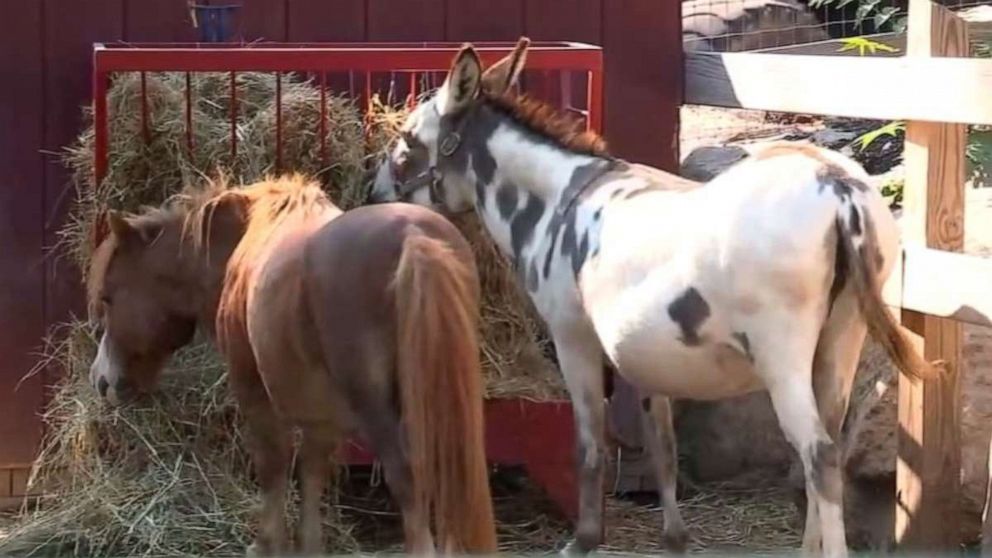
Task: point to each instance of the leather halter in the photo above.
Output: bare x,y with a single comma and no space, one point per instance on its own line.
432,176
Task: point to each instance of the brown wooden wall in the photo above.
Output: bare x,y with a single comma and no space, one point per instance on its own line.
45,77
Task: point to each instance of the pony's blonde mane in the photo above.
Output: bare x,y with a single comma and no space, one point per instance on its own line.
263,207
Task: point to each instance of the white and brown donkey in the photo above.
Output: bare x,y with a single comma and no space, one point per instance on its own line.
767,277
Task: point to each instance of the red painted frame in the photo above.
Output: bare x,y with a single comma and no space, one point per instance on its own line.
539,436
323,57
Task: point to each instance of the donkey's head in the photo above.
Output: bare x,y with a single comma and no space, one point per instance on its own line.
136,294
433,162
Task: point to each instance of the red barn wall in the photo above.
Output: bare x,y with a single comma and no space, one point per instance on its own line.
45,54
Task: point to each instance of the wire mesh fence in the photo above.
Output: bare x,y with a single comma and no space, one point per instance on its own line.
770,25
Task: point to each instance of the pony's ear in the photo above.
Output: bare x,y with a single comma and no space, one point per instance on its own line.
463,82
100,229
501,76
120,226
127,233
224,220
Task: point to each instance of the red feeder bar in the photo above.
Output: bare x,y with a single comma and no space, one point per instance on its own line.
539,436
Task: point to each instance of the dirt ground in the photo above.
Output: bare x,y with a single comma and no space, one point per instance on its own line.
719,518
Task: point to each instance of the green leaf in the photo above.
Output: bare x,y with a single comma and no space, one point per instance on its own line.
899,25
890,129
864,10
884,15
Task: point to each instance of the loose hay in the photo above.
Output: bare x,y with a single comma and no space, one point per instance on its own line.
169,476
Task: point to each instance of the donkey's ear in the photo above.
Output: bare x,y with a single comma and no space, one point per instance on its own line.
501,76
463,82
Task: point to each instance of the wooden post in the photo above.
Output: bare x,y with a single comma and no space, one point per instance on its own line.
928,471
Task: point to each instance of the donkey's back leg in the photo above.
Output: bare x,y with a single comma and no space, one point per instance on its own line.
834,367
656,417
784,345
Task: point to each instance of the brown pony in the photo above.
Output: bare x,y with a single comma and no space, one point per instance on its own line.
330,322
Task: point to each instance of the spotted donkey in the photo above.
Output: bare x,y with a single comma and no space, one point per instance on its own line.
766,277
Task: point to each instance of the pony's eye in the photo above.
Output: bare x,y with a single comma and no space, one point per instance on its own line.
106,300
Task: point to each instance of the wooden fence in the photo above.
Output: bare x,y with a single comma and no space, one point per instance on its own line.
937,90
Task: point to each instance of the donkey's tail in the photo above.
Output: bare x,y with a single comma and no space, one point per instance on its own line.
437,301
858,256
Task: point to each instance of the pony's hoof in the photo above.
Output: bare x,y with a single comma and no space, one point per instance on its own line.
258,549
676,541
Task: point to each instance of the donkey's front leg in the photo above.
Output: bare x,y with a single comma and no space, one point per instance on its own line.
656,418
581,361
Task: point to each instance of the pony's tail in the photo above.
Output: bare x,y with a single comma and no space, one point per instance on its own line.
857,252
440,379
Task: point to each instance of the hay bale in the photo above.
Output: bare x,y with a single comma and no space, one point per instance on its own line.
165,477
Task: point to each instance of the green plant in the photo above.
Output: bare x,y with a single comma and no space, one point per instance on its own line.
864,44
892,190
891,129
979,156
880,15
983,49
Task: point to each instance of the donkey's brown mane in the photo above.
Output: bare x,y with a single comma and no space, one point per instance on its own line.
548,122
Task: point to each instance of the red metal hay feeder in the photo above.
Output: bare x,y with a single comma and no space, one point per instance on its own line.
538,436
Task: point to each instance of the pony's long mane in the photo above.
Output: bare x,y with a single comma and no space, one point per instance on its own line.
548,122
264,206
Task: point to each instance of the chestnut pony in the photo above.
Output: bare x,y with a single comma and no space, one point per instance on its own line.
330,322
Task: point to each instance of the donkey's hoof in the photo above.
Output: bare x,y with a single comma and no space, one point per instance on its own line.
675,541
576,548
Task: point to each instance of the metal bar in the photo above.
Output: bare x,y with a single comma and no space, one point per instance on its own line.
146,134
452,46
595,100
290,59
101,134
234,117
413,90
189,113
323,119
368,91
278,122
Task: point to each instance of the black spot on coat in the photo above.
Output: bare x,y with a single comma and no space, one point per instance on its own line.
533,279
689,311
841,266
524,223
579,186
855,220
506,201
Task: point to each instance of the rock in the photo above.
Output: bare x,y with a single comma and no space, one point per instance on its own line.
706,162
747,24
722,440
831,138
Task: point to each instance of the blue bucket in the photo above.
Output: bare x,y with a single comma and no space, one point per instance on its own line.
215,22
